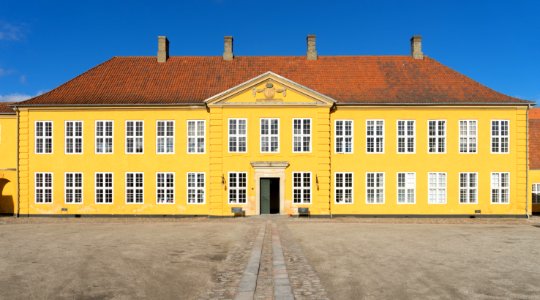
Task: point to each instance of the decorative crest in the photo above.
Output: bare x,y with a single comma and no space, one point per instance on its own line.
269,91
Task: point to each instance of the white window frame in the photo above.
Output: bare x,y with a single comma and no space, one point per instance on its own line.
43,137
406,188
343,188
499,136
302,135
134,137
375,136
302,188
196,137
535,193
237,136
375,188
167,190
105,137
468,137
237,188
165,137
73,137
343,136
269,135
437,189
437,136
468,188
74,188
196,188
104,188
499,188
135,189
406,137
43,187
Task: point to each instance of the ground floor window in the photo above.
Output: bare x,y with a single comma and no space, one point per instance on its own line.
104,187
165,188
195,188
500,188
134,187
375,188
237,187
468,188
73,193
344,187
302,187
43,187
406,188
536,193
437,188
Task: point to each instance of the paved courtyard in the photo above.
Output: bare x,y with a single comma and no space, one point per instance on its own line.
269,257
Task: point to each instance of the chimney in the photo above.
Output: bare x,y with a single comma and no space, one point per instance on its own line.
311,47
416,47
163,49
228,48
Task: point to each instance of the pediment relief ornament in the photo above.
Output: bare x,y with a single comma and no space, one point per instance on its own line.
269,91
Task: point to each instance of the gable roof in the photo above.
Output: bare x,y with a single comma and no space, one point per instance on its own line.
347,79
5,108
534,138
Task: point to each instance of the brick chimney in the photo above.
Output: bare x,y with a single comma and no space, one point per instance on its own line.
163,49
416,47
311,47
228,48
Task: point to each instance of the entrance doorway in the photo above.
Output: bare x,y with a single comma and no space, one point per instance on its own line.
269,188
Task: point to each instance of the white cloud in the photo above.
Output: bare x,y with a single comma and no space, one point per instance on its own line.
17,97
22,79
5,72
11,32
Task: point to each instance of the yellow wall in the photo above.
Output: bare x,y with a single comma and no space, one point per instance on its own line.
8,163
534,177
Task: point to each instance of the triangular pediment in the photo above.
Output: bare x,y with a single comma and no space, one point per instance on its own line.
270,89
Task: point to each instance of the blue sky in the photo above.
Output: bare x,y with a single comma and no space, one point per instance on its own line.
45,43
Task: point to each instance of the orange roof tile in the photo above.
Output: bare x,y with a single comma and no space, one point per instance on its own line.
5,108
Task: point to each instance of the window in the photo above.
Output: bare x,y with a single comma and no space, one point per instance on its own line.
44,137
437,136
437,188
196,139
104,188
375,188
165,137
237,135
301,187
74,189
237,187
344,136
134,187
165,188
467,136
375,136
134,137
301,135
344,187
195,190
269,135
44,187
104,137
468,188
500,132
406,133
500,188
74,137
406,185
536,193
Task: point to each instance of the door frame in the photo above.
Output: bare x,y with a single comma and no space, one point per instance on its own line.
270,170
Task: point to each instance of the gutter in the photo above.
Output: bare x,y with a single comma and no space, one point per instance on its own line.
18,203
527,157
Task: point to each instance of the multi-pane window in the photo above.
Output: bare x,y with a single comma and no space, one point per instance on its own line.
74,188
536,193
344,136
237,135
134,137
436,136
375,136
468,188
269,135
74,137
406,135
301,187
437,188
467,136
195,188
500,132
301,135
500,188
237,187
134,187
165,187
104,188
165,137
44,137
104,137
196,136
344,187
43,186
375,188
406,188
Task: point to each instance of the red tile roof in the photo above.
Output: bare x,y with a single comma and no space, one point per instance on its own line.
5,109
534,138
347,79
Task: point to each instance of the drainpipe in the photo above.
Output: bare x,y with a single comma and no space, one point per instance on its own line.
527,157
17,209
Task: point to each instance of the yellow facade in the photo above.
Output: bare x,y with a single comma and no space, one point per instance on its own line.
534,178
8,163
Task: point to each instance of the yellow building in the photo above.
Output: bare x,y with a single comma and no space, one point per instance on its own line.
339,135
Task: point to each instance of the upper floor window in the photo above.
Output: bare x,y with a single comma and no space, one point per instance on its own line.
500,133
134,137
406,135
74,187
74,137
44,139
437,136
437,188
165,137
344,136
237,187
195,188
301,135
269,135
237,135
406,188
165,187
500,188
104,137
301,187
44,186
467,136
536,193
104,188
134,187
196,136
468,187
375,136
344,187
